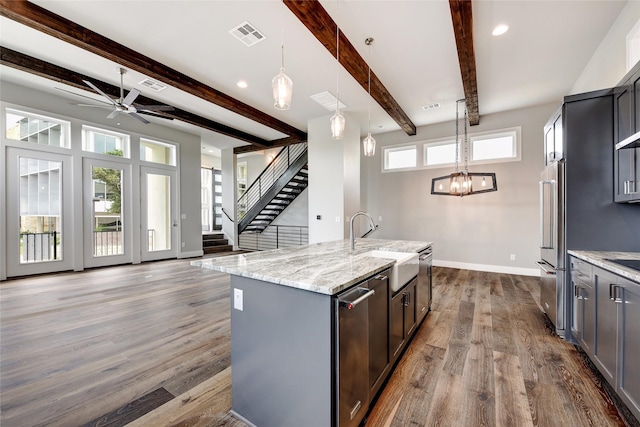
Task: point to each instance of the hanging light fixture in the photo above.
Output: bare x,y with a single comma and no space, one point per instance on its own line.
369,143
337,120
461,182
282,88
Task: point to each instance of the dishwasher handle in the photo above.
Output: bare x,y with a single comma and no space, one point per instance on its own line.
350,305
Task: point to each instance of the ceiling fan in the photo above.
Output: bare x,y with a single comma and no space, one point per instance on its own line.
124,104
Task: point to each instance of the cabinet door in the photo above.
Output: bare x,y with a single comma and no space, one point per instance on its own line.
627,179
397,324
588,301
578,309
558,143
548,145
410,311
378,330
629,376
605,349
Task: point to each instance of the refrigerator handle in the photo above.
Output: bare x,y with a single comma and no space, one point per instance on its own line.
546,233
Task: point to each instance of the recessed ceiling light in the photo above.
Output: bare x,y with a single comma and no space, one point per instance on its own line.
500,30
242,84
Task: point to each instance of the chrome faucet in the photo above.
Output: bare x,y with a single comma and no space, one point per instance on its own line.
371,224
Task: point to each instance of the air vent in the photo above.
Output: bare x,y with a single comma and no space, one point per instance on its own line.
153,85
327,100
431,106
247,34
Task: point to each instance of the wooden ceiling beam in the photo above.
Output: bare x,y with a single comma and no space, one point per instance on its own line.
462,18
43,20
29,64
323,27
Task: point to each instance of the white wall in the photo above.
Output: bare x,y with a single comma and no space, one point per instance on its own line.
608,65
334,173
475,232
189,156
210,162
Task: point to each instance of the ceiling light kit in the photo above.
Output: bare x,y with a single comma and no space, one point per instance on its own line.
461,182
337,120
369,143
500,30
282,88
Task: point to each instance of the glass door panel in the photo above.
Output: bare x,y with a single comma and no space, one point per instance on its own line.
37,231
107,213
158,209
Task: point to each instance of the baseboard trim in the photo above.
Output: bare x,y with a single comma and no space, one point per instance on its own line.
487,267
192,254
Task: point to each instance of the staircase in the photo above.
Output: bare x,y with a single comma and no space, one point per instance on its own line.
275,189
214,243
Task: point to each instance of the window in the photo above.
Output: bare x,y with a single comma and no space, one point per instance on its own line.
37,129
105,142
400,157
493,146
157,152
440,153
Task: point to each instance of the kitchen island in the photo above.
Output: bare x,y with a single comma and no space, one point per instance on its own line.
286,352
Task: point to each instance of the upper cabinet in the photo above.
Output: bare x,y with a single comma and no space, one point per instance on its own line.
626,132
553,146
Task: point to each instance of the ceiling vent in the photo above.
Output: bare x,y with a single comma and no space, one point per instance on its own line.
153,85
431,106
327,100
247,34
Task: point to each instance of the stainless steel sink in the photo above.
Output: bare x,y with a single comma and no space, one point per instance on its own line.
405,268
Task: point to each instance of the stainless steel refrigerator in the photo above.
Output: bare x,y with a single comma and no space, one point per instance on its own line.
552,244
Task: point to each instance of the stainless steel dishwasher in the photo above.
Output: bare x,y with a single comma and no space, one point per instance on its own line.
353,354
425,283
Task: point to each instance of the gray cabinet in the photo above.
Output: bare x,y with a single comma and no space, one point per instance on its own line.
617,333
379,356
626,114
403,317
584,303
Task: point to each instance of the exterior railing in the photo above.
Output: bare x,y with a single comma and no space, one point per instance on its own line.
107,243
275,237
268,177
36,247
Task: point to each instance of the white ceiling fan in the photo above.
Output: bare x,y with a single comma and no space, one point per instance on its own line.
124,104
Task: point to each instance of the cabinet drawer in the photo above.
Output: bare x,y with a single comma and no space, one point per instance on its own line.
581,270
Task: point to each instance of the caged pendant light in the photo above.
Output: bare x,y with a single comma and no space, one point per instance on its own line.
461,182
282,88
369,143
337,120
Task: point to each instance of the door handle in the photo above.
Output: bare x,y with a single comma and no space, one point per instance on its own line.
350,305
543,266
380,277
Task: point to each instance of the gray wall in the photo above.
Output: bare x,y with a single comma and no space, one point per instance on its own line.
189,205
479,231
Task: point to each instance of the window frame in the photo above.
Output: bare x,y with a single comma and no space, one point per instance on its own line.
173,151
89,141
396,148
65,127
516,145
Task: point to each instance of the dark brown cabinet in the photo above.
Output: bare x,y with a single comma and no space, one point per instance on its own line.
626,116
403,317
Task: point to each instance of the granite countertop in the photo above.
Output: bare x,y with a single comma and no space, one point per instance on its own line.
600,259
326,268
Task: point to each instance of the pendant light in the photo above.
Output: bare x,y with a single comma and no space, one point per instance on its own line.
369,143
337,120
460,183
282,88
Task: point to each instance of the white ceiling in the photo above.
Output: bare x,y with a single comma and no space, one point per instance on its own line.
414,54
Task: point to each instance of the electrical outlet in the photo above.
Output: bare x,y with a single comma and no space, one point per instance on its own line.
237,299
184,244
512,257
183,216
337,219
380,218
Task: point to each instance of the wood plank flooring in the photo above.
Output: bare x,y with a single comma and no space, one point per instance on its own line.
150,343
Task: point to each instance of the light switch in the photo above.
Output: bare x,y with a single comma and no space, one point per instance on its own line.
237,299
337,219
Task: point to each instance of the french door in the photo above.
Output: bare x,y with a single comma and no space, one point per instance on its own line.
158,214
108,219
39,212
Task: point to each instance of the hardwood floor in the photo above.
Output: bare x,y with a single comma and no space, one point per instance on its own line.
149,345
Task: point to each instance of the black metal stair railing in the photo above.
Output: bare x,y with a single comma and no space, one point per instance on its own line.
266,185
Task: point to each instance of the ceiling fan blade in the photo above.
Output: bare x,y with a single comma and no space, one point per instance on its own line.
154,108
152,114
139,117
113,114
84,96
94,87
131,96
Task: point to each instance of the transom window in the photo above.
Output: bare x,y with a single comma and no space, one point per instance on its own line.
36,129
105,142
501,145
157,152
